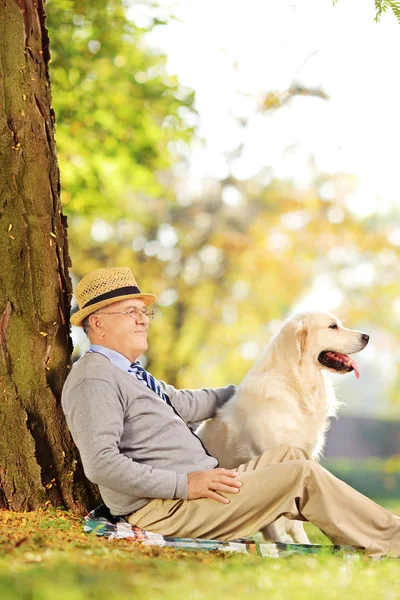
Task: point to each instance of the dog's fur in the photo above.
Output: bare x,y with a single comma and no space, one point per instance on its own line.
284,400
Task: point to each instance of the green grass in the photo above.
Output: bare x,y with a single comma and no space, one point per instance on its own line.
46,556
372,476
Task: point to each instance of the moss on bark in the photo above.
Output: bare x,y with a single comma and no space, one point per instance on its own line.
38,463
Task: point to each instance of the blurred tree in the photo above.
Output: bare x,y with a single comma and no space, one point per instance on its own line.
227,274
117,109
229,260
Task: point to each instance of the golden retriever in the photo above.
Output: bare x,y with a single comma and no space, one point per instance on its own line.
285,400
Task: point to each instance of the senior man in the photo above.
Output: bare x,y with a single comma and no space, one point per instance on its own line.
134,437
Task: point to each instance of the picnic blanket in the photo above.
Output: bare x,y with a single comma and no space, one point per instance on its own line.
121,529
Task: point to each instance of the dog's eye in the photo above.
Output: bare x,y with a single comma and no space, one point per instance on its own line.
333,326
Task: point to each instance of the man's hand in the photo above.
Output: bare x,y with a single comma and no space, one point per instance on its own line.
207,484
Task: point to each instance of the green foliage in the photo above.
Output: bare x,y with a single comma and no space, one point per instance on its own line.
117,109
383,6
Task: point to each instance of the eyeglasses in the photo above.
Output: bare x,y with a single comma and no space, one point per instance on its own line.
134,313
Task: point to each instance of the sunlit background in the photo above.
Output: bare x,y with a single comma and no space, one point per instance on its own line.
234,54
242,158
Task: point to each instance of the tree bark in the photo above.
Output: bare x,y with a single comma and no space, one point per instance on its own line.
39,464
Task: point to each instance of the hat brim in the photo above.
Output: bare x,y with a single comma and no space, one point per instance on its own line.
78,317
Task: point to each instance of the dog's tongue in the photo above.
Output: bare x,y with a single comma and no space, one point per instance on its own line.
347,360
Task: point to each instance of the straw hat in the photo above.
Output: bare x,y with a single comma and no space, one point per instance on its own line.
103,287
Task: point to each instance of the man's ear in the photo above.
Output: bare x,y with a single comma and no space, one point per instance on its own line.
301,338
95,324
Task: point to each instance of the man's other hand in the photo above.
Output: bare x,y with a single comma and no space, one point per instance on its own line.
207,484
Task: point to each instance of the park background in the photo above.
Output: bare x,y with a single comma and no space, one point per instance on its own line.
242,159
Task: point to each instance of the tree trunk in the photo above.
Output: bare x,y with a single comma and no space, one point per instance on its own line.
39,464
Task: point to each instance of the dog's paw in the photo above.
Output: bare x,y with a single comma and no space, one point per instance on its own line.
296,530
276,532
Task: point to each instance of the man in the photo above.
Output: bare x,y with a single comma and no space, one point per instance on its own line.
135,441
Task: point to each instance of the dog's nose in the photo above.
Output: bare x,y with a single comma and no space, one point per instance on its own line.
365,337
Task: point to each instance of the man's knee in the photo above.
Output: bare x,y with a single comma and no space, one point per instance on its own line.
295,453
281,454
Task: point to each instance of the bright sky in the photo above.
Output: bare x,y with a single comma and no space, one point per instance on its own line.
232,51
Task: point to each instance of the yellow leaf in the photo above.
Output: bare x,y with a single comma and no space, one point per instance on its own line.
43,333
10,227
53,234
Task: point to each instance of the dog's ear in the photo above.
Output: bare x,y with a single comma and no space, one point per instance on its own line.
301,337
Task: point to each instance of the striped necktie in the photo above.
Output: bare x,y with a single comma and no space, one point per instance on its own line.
148,379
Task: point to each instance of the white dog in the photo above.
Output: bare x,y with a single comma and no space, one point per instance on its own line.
285,400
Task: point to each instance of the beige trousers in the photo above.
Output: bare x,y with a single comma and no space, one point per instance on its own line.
282,481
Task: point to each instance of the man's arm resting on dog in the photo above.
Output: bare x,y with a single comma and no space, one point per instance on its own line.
96,419
197,405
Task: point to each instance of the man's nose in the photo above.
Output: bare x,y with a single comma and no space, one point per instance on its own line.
141,317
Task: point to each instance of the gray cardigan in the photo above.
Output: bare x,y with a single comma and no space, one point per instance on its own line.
133,445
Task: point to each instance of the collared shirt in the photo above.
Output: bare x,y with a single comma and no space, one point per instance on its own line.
117,359
120,361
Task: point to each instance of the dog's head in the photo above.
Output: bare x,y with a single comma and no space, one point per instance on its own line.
320,338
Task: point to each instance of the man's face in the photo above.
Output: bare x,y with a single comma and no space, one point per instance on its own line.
124,333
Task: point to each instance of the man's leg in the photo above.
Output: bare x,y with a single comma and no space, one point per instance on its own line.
298,488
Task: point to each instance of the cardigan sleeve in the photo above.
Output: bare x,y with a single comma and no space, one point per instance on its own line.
95,417
201,404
